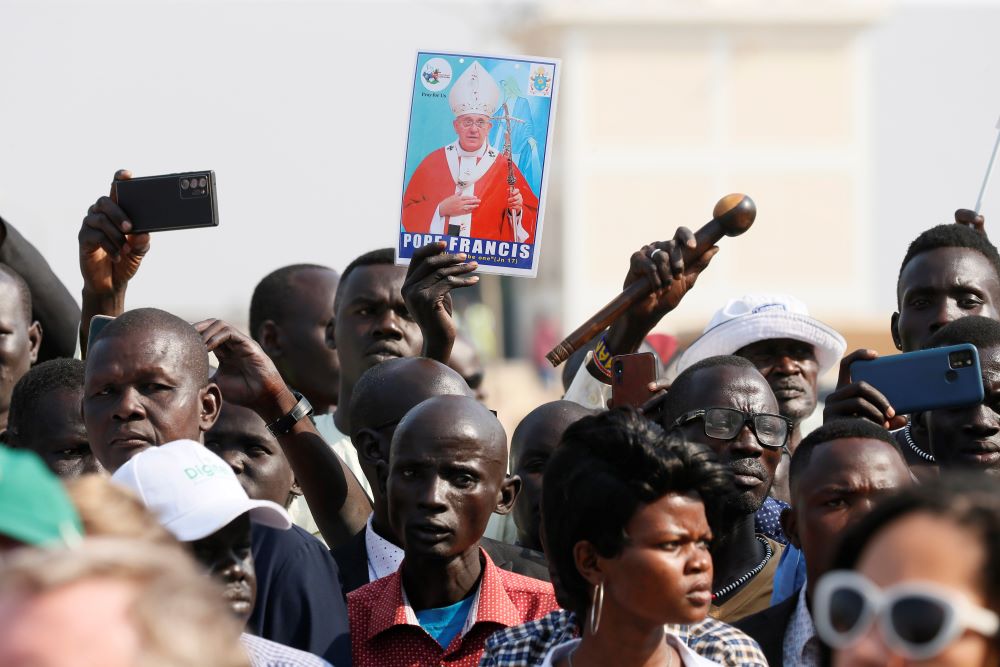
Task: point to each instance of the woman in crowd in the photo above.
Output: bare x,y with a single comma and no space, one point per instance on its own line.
918,580
628,514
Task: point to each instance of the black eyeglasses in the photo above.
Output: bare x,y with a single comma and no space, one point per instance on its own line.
771,431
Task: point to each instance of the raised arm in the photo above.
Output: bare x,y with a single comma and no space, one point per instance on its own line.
661,262
247,377
431,276
52,304
109,257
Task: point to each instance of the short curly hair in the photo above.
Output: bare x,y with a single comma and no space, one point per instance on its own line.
950,236
139,320
838,429
604,468
40,380
271,299
383,256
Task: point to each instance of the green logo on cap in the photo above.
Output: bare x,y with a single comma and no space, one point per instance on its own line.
205,470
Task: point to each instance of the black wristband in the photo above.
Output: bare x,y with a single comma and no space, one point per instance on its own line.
283,425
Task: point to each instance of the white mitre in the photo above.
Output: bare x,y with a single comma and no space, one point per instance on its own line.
474,92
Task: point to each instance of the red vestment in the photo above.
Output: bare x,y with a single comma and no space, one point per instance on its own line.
432,183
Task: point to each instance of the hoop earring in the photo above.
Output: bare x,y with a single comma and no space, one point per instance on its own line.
596,605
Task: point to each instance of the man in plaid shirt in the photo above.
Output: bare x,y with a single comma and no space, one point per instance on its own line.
526,645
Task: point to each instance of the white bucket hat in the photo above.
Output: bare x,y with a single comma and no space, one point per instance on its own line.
756,317
192,491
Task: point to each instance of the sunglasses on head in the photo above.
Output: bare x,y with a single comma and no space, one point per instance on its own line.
771,431
917,619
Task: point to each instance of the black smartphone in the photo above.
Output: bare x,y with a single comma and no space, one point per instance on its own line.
97,322
170,201
942,377
630,378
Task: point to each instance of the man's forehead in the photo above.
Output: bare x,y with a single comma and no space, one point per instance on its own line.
313,284
438,448
401,392
237,421
60,398
374,281
533,448
12,308
53,433
947,267
314,276
123,355
730,386
849,461
541,435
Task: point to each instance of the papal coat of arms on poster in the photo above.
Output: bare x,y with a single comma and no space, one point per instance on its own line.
540,79
477,163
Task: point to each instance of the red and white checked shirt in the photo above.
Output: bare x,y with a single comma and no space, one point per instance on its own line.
385,631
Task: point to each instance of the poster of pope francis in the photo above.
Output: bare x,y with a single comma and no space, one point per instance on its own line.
477,158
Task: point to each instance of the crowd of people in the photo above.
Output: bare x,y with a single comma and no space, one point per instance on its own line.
333,489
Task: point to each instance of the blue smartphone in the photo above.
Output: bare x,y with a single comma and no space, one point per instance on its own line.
944,377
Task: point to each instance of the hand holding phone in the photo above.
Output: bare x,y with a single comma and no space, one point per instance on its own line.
110,248
170,201
943,377
631,375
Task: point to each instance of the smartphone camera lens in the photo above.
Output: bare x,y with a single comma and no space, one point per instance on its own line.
960,359
202,182
185,184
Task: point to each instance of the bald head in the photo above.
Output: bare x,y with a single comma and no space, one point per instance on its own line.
14,278
22,336
544,427
531,447
447,475
386,392
146,324
381,398
445,419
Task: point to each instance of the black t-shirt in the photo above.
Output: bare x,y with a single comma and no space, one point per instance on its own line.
299,600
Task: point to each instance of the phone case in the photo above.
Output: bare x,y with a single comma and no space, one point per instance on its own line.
170,201
630,377
924,380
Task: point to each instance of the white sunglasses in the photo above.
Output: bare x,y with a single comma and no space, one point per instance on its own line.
917,619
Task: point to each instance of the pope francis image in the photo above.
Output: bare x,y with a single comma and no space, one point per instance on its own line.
463,187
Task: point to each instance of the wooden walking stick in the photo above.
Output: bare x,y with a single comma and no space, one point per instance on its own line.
732,216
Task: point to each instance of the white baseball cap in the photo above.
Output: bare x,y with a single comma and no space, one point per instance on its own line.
192,491
755,317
